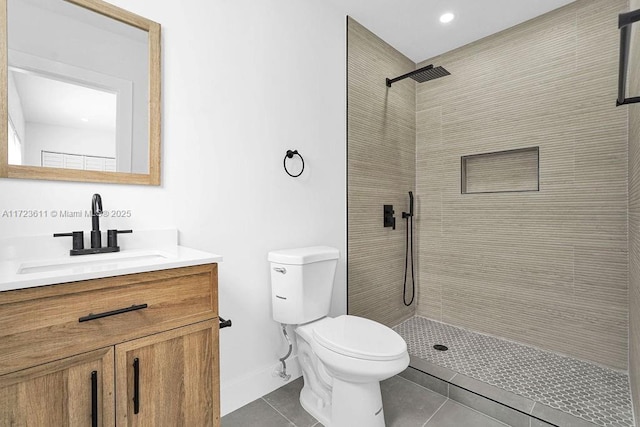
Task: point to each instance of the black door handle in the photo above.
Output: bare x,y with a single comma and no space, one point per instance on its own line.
136,385
94,399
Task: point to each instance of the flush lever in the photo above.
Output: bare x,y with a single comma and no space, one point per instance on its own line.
280,270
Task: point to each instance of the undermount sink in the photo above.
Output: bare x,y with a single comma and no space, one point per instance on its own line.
32,261
99,261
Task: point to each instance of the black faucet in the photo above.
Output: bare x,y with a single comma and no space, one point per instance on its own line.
96,236
96,211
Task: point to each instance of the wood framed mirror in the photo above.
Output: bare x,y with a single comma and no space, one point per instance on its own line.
80,85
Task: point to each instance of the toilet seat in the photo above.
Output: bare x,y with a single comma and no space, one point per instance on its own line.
359,338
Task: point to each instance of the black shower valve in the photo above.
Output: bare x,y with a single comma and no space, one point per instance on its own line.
388,219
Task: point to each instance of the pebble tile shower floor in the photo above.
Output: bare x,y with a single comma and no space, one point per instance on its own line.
583,389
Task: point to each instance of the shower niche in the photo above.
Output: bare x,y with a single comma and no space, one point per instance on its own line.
501,171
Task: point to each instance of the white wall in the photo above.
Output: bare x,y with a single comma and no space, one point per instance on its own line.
86,142
15,108
243,82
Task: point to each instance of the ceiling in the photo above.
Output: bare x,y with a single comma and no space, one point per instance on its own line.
413,26
49,101
91,19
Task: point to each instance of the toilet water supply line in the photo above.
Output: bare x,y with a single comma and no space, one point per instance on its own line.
283,373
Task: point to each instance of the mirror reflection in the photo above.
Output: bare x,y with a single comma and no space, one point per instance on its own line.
69,126
78,86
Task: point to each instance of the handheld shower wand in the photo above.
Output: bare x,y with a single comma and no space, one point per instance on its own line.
410,213
411,203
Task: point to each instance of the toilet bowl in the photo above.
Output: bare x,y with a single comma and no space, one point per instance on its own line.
343,360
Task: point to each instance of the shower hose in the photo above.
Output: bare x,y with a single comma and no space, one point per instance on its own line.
409,248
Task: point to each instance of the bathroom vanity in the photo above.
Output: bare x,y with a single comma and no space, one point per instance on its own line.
126,350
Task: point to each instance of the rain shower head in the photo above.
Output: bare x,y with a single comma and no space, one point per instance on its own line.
430,74
422,75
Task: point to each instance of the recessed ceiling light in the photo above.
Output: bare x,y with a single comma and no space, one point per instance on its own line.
84,119
447,17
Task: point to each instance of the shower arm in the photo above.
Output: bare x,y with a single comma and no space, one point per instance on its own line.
404,76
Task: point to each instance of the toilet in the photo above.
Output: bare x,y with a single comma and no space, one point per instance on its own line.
343,359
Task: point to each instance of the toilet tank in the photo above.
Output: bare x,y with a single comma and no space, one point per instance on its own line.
302,283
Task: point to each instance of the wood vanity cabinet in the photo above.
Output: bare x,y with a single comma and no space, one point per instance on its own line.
61,393
133,350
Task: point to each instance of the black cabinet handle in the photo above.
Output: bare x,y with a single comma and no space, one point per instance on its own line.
136,385
92,316
94,399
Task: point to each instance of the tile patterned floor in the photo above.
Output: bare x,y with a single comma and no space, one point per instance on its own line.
585,390
405,405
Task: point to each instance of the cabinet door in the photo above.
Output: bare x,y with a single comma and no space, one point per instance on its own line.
169,379
76,391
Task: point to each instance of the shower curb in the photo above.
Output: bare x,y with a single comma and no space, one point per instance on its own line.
507,407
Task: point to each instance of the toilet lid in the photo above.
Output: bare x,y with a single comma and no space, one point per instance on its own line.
360,338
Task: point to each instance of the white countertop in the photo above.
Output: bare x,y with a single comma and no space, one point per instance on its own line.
23,268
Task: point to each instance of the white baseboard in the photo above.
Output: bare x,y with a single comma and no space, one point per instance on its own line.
238,392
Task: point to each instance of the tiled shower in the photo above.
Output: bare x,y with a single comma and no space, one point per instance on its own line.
553,265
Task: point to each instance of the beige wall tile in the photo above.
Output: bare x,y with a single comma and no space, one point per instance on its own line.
381,170
634,215
547,268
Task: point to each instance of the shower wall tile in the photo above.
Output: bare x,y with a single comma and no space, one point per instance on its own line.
634,215
514,170
381,170
547,268
428,222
